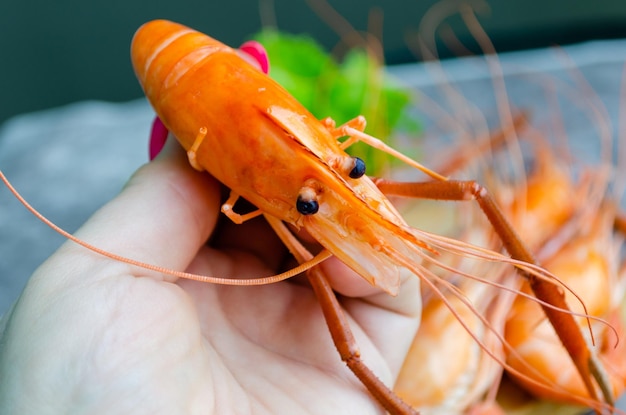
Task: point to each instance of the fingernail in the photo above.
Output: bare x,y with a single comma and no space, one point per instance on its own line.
158,136
255,50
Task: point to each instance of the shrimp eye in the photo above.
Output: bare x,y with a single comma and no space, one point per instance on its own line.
307,207
358,169
307,203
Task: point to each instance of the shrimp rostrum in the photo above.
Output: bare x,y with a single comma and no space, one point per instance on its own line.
253,136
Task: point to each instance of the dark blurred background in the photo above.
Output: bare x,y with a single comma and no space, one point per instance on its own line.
56,52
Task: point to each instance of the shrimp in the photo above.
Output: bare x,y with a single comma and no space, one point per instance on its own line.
587,264
577,242
457,355
503,331
249,133
546,208
586,259
475,333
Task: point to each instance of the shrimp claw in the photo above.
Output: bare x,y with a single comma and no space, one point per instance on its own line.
191,153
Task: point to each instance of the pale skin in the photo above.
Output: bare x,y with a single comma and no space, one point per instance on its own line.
91,335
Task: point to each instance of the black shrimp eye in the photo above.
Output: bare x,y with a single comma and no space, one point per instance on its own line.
359,168
307,207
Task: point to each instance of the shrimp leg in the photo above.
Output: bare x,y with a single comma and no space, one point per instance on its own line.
338,325
563,322
227,209
348,350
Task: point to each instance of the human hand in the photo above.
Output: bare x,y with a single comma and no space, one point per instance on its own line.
93,335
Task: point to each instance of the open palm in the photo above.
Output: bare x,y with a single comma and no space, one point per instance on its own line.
93,335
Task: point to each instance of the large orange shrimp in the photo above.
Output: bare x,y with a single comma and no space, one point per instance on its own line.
251,135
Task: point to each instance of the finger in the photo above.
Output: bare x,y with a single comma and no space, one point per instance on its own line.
164,214
389,322
349,283
254,52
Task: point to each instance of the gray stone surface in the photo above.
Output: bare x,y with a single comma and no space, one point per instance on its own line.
67,162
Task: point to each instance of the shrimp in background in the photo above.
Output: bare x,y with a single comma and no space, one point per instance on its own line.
565,222
454,367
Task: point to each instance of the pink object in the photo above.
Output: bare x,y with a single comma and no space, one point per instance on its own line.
258,53
158,134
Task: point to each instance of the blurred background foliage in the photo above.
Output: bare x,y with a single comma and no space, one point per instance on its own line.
59,52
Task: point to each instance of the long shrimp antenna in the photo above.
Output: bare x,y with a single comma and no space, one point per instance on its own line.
323,255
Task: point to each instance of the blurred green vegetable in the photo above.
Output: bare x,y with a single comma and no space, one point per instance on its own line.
356,86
